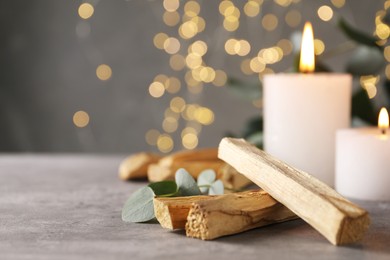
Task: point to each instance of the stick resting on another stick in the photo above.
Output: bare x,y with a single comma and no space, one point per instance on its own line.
336,218
210,217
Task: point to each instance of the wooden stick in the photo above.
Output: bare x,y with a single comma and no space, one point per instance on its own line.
204,154
234,213
157,172
232,179
136,165
172,213
336,218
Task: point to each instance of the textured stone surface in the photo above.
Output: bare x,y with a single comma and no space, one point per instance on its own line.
68,207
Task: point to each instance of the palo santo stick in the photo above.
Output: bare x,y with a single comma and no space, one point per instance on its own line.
336,218
157,172
172,213
232,179
136,165
234,213
194,155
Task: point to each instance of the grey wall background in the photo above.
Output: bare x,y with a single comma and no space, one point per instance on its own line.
47,72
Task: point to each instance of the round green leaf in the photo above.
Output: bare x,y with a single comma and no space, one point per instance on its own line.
139,207
164,188
365,61
206,178
186,183
216,188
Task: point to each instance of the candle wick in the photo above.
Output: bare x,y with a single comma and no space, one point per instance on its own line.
383,131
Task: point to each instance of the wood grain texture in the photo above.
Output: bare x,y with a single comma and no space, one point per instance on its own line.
234,213
336,218
136,166
172,213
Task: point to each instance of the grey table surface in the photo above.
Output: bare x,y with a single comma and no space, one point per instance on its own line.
69,207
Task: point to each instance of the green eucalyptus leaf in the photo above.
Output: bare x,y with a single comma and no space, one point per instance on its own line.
386,86
244,90
216,188
139,207
358,36
253,125
186,183
164,188
386,18
206,178
363,108
256,139
365,61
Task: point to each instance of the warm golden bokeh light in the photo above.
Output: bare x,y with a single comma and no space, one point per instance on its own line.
229,46
369,84
307,60
382,31
177,62
252,8
190,141
173,85
245,67
192,8
338,3
257,64
103,72
171,45
86,10
220,78
159,40
286,46
319,47
171,5
188,29
156,89
325,13
177,104
81,119
170,124
204,116
242,47
198,47
293,18
151,136
165,143
283,3
269,22
171,18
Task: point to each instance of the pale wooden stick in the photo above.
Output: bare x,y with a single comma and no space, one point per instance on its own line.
172,212
234,213
336,218
157,172
136,165
204,154
232,179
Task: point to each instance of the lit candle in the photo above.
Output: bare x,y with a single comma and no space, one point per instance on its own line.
363,161
302,112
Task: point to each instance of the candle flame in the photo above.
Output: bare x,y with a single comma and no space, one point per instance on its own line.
383,120
307,63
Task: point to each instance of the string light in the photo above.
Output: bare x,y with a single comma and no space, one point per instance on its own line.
325,13
86,10
103,72
81,119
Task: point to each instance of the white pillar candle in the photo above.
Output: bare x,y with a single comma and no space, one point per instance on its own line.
363,163
301,115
